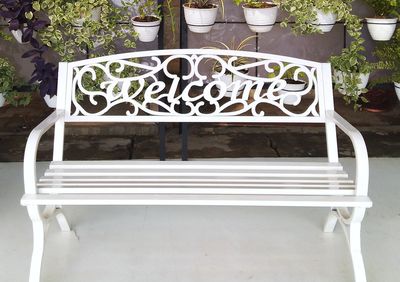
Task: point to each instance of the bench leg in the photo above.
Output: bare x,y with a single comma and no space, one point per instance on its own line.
331,221
38,242
352,227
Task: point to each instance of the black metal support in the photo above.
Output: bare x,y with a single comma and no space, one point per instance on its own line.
161,126
183,40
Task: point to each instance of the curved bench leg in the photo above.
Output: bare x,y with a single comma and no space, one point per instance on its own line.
331,221
351,224
62,220
38,242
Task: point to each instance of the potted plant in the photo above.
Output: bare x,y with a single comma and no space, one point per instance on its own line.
260,16
68,40
147,23
228,78
388,54
8,82
200,15
383,24
295,83
22,22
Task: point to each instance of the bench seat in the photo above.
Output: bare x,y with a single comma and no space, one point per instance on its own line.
225,183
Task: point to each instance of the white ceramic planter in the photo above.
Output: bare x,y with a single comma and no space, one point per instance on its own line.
51,101
381,29
2,100
200,20
228,79
397,88
260,19
18,35
325,21
338,78
291,88
147,31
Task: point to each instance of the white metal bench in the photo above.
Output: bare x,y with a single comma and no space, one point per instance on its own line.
255,99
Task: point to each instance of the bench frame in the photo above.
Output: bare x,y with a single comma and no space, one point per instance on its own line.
350,219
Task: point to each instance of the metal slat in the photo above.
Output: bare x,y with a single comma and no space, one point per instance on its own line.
197,191
198,200
196,165
108,179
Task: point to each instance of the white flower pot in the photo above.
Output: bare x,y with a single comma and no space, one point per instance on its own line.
200,20
260,19
18,35
228,79
96,14
2,100
147,31
381,29
292,88
397,88
325,21
338,78
51,101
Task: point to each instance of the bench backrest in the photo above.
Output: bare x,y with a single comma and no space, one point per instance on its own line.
133,82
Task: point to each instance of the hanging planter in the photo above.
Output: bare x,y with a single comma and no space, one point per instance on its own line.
200,18
147,28
397,88
260,16
381,29
292,86
325,20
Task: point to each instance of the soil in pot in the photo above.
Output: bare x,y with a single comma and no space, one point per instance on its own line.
146,19
261,5
197,6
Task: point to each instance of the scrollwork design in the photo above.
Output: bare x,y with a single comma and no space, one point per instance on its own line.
248,92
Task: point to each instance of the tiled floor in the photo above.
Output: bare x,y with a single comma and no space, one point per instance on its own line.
198,244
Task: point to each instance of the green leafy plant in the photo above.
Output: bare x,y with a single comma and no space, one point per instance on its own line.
205,4
289,74
233,46
385,8
388,54
148,10
255,3
8,82
73,28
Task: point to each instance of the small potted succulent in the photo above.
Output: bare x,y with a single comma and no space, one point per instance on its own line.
8,82
200,15
228,78
383,24
388,54
260,16
147,23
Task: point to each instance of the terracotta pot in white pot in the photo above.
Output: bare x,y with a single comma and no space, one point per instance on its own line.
338,77
397,88
325,21
292,86
381,29
261,19
228,79
200,20
146,29
2,100
51,101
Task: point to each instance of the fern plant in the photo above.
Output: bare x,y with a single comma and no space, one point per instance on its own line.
388,54
385,8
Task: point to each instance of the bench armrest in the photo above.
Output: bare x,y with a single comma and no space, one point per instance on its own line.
32,147
360,149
